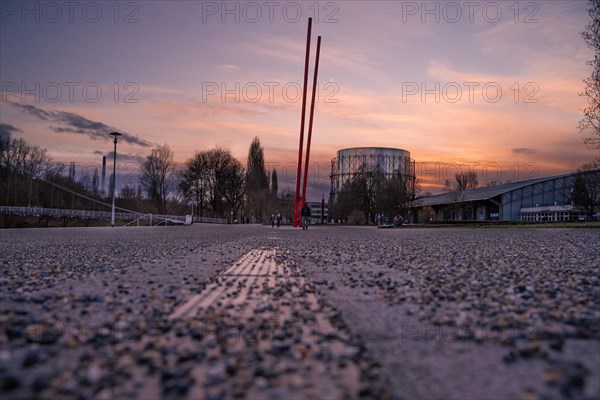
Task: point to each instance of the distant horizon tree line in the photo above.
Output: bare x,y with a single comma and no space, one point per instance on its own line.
212,183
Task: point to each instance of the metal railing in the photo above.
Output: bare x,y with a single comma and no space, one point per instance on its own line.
126,216
208,220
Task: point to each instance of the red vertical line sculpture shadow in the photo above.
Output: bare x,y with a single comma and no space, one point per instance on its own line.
310,120
302,122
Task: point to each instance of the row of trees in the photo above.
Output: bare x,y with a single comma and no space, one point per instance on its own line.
29,177
370,192
213,182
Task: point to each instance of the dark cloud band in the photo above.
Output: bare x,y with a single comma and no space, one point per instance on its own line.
76,124
6,131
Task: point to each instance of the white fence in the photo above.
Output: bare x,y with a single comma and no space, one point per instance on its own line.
126,216
207,220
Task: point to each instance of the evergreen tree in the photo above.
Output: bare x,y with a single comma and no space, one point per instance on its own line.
72,171
274,183
95,181
257,181
257,176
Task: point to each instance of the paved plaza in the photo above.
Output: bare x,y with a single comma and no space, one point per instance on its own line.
256,312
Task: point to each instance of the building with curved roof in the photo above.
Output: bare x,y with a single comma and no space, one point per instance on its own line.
540,199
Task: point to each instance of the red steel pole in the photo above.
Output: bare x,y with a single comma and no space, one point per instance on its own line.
310,120
302,122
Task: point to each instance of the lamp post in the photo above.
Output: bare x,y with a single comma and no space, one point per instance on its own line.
112,216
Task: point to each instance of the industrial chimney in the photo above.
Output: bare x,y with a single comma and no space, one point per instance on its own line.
103,173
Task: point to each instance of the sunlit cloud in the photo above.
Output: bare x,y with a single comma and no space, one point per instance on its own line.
203,91
228,67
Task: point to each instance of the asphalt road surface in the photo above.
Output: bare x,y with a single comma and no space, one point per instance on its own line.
257,312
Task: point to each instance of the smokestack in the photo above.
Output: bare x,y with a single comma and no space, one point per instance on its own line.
72,171
103,174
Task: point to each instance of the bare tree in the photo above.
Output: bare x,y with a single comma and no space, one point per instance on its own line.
590,124
20,164
20,157
367,184
129,197
193,181
397,195
586,188
235,185
157,176
463,181
372,192
218,161
455,206
214,179
466,181
345,201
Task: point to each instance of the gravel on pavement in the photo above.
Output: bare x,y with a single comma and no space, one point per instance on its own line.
331,312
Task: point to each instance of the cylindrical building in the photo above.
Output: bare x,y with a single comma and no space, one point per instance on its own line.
382,162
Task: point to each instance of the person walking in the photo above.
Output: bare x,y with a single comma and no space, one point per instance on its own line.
305,216
278,219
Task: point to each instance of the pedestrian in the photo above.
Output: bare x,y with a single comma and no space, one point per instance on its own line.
278,219
272,220
305,213
398,221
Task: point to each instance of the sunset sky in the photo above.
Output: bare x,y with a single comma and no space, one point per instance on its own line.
488,85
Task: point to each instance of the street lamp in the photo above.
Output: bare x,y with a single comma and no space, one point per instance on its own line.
112,217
